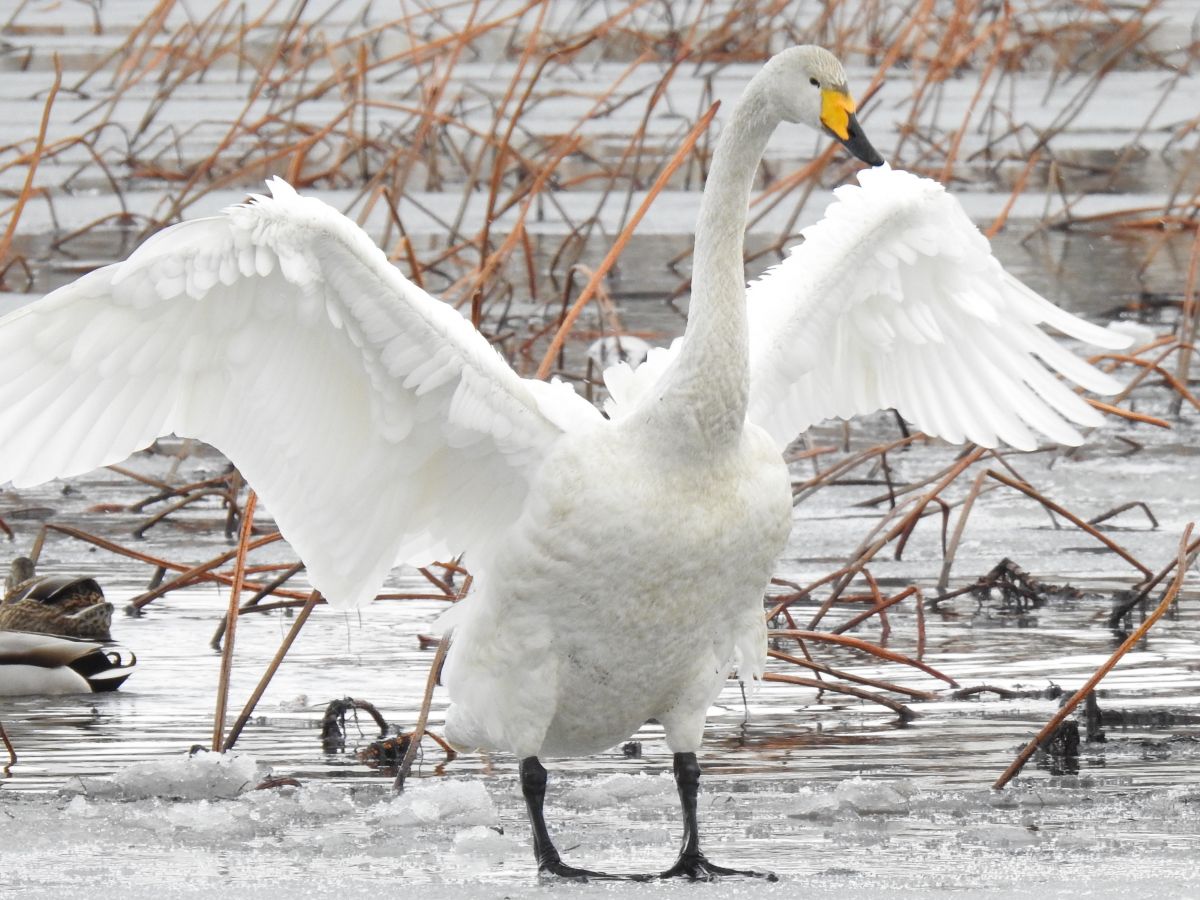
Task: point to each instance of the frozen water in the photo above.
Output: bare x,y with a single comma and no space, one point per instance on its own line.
197,776
858,837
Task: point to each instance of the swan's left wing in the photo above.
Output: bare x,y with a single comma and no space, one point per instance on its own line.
895,300
374,421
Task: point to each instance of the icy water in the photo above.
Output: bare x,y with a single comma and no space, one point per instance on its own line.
837,796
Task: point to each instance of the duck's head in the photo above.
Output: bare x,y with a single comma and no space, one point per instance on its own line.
21,571
809,87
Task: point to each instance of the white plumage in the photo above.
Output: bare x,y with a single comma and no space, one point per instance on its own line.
894,300
620,562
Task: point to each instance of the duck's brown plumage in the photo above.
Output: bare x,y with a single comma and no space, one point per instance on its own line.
71,606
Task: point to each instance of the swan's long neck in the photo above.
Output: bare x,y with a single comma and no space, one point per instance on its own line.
703,398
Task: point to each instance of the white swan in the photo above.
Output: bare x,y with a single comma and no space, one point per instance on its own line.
620,562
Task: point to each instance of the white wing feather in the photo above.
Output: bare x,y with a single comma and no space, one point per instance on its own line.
895,300
375,422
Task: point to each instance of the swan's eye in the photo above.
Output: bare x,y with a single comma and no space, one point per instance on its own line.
814,82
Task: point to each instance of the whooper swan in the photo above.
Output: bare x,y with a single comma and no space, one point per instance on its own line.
620,562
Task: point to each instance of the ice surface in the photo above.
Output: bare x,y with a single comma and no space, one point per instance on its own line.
194,776
857,838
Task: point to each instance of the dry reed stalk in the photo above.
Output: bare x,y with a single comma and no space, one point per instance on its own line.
270,589
850,676
1189,325
880,606
1029,491
863,646
232,619
35,158
12,753
504,146
589,290
1138,634
414,740
189,575
1121,610
565,149
903,527
896,706
1018,188
1001,31
1173,382
259,689
1171,346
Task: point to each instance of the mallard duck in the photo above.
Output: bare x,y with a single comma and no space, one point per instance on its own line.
45,664
620,562
72,606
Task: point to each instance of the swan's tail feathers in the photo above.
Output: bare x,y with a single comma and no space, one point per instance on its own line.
894,300
750,650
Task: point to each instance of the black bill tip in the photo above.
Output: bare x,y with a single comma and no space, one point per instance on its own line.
856,142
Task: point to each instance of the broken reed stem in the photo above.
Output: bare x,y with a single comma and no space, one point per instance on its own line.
1189,322
239,572
865,647
269,673
12,753
894,705
1126,413
190,575
1075,520
1090,684
593,284
823,669
414,740
34,159
1119,612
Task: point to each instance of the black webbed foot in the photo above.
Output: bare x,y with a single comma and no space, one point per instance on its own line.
696,867
692,863
559,869
550,864
554,867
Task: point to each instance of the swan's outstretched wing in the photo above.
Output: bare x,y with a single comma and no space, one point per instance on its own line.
895,300
373,420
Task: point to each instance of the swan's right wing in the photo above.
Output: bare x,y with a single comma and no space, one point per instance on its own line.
375,422
895,300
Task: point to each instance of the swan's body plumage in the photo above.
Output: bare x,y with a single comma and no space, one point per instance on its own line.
607,594
619,562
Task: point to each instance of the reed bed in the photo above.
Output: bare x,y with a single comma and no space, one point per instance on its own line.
497,149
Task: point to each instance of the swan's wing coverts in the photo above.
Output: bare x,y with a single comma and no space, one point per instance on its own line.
895,300
375,422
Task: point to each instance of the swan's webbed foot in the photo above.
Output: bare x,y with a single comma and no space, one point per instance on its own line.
696,867
556,868
692,863
550,864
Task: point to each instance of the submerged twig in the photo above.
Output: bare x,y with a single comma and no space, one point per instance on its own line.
1139,633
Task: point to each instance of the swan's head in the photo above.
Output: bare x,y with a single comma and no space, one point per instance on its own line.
808,85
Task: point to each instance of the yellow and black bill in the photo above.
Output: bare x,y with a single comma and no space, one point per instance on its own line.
837,118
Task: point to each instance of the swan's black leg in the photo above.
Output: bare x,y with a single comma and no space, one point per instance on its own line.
692,862
533,786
